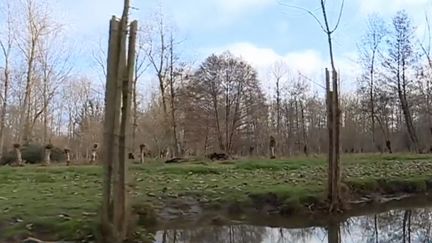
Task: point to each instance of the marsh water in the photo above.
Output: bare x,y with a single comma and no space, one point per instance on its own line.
395,225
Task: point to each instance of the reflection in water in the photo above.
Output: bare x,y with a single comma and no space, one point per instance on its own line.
407,226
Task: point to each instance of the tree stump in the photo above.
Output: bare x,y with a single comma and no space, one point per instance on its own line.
272,147
93,155
19,160
67,153
47,158
142,148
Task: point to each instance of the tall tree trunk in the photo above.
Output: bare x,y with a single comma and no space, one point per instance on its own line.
218,127
278,115
408,120
235,118
176,145
6,48
45,110
372,100
135,111
5,103
303,121
26,111
227,115
297,126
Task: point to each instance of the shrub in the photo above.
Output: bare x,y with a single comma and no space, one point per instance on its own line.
33,154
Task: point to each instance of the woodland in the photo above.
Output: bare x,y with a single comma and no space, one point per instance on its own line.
86,160
215,105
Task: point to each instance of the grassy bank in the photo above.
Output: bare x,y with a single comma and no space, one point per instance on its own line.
61,202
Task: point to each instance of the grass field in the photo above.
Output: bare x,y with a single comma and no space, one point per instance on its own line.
61,202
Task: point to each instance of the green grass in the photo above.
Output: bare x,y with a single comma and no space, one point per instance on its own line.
64,201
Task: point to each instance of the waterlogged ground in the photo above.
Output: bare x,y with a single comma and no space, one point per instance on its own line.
61,202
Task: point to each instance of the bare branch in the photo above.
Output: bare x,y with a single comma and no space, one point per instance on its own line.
339,17
307,11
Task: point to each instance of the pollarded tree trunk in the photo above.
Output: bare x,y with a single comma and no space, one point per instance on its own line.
272,147
333,125
111,126
333,121
142,147
120,210
336,170
19,160
329,97
47,159
121,65
68,158
93,155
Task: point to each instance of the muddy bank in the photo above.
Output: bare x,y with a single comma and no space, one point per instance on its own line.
360,197
191,214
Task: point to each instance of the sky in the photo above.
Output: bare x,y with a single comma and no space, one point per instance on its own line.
260,31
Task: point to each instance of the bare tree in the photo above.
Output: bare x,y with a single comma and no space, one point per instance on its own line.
370,51
399,62
6,47
221,88
161,53
34,42
279,74
158,52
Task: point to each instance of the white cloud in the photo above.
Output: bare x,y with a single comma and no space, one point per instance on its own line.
391,6
309,62
258,57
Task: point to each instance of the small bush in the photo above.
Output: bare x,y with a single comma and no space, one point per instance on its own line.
33,154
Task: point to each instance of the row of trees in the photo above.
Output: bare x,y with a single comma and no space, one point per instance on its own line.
218,105
221,106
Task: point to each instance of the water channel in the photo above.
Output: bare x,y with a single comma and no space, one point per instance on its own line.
412,225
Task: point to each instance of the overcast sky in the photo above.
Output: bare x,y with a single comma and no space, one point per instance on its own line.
261,31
